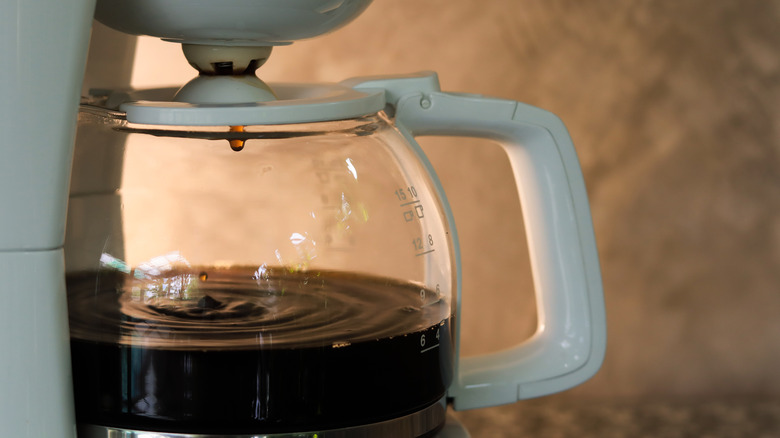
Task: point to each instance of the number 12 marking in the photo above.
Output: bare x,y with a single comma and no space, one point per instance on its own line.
419,245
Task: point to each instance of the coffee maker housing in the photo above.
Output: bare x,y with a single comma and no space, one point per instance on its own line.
41,92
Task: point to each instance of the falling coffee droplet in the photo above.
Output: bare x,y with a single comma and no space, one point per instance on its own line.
236,143
203,276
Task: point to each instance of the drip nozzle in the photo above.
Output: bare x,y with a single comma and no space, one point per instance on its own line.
226,75
226,60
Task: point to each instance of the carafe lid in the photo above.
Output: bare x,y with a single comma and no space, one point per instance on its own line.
296,103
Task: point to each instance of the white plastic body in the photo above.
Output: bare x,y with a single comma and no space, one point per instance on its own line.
229,22
36,399
569,344
44,44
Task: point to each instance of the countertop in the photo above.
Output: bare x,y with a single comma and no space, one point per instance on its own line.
616,419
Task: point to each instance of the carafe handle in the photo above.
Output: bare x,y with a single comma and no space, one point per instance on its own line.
569,344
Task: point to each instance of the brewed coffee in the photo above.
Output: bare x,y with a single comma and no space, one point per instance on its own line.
242,351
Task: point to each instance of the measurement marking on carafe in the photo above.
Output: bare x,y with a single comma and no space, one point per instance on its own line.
422,343
429,348
410,203
420,244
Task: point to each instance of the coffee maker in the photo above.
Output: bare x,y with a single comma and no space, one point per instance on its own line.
47,45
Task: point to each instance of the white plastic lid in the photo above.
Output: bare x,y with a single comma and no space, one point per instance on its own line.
297,103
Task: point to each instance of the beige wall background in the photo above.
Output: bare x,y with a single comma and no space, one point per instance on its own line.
675,111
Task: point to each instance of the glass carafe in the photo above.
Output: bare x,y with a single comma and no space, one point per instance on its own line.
277,278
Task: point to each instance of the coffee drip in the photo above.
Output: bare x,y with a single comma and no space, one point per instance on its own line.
237,144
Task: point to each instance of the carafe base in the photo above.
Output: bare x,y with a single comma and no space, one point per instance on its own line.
421,424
